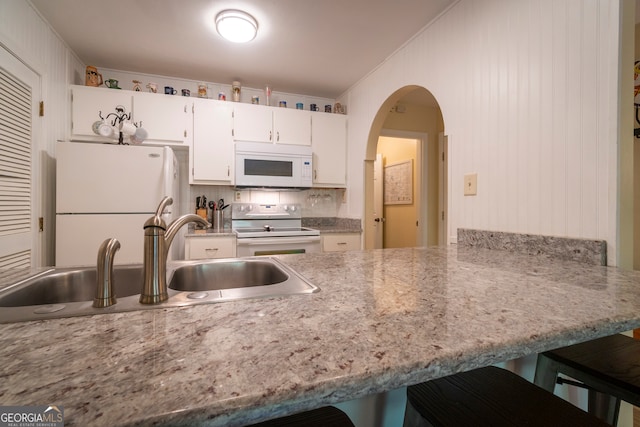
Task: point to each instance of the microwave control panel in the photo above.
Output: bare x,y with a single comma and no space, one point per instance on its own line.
307,170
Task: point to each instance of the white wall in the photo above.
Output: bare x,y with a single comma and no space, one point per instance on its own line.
528,91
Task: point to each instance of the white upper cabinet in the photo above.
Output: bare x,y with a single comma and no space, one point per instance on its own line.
291,126
211,157
329,146
166,118
257,123
252,123
88,103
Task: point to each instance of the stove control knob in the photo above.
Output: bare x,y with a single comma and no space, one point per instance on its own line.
285,207
293,208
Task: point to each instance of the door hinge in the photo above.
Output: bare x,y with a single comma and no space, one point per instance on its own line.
41,109
417,224
41,224
443,215
443,157
185,133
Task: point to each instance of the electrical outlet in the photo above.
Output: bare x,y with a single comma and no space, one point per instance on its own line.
237,196
471,184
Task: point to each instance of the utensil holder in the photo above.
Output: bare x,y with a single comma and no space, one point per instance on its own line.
218,220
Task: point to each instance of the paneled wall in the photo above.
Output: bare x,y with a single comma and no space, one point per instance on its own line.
24,34
528,91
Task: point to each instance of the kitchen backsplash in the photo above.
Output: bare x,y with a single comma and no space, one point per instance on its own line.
321,202
591,251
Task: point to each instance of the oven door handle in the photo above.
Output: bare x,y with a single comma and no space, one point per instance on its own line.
261,241
261,215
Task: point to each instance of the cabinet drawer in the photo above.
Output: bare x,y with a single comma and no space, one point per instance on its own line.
213,247
341,242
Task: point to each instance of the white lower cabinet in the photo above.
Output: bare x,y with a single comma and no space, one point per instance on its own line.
341,242
210,247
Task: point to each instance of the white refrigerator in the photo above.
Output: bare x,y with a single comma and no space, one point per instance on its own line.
107,190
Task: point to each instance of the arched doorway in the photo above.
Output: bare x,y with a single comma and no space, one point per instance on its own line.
410,113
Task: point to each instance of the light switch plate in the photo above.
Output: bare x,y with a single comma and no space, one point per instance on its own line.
471,184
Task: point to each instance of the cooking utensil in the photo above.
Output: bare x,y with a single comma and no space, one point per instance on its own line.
212,205
198,203
220,204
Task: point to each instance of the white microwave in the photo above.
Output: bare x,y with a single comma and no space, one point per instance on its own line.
261,164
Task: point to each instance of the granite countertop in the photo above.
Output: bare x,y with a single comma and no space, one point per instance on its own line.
209,232
333,224
383,319
326,225
193,231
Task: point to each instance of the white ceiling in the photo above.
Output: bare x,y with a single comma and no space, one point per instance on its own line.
312,47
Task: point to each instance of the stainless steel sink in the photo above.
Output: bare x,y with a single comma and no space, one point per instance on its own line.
219,275
67,285
69,292
230,279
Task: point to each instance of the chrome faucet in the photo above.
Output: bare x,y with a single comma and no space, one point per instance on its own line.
157,241
104,274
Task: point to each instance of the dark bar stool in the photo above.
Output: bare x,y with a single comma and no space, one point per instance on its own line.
327,416
608,367
489,397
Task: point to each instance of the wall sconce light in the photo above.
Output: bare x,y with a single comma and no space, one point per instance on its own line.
236,26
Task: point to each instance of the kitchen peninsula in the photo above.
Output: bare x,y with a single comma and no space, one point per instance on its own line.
383,319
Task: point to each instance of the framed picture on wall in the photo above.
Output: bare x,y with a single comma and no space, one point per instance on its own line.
398,183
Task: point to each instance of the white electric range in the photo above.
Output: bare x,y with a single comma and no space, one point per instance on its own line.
271,229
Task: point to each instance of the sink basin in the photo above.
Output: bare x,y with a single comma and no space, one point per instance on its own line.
63,286
213,276
229,279
68,292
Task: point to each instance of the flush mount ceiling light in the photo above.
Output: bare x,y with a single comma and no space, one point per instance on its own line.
236,26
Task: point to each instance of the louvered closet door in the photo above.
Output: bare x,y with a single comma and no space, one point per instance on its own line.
17,114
